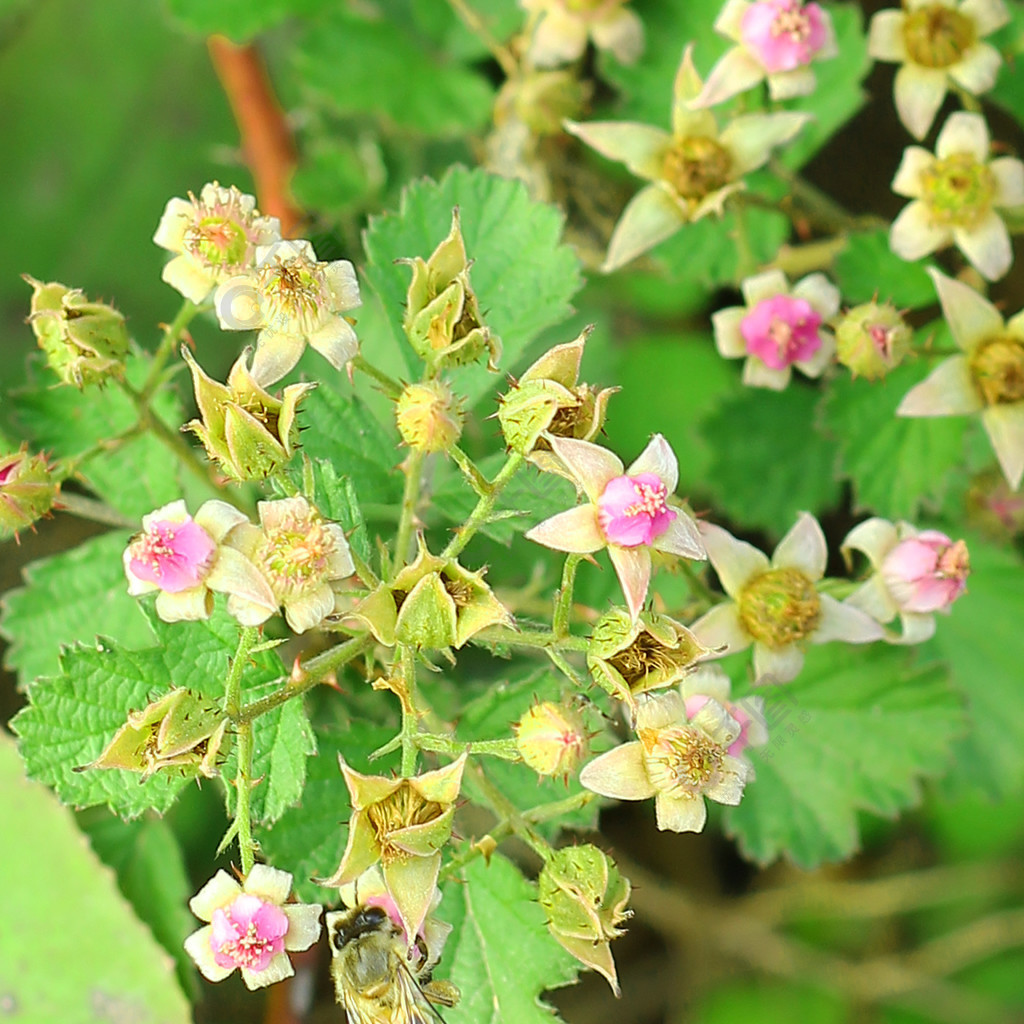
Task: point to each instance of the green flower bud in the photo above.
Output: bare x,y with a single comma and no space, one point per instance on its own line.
541,100
181,731
247,431
872,339
584,899
429,416
442,315
85,342
27,491
551,739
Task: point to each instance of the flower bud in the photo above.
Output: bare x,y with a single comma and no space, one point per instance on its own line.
541,100
551,739
27,491
872,339
429,416
584,898
927,572
85,342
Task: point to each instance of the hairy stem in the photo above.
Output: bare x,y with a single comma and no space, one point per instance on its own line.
563,600
484,507
172,333
247,638
388,385
410,499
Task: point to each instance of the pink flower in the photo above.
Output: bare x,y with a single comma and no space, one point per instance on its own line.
250,928
783,34
781,331
709,683
182,557
915,574
628,512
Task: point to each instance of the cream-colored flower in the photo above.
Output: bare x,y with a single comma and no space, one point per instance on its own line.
561,28
693,169
956,193
988,378
939,44
709,682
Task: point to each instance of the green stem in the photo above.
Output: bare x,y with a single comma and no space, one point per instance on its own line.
440,744
410,718
700,590
389,385
247,639
410,499
565,668
746,264
504,808
97,511
529,638
563,601
484,507
820,208
172,332
476,479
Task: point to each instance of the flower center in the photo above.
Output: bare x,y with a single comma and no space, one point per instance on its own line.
647,662
696,166
293,289
780,607
248,933
937,36
219,242
958,190
633,510
403,808
681,761
782,330
783,34
997,368
296,553
174,556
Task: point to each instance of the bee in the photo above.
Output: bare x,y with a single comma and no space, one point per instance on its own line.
377,979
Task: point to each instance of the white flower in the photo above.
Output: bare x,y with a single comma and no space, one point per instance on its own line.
564,26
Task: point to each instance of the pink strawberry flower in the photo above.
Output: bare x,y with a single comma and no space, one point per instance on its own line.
250,928
628,512
182,557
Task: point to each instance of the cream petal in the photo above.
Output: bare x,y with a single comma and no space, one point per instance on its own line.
660,711
342,280
680,813
777,666
619,774
729,787
987,245
716,723
841,621
188,278
198,946
750,138
574,530
311,609
633,567
248,613
757,375
174,511
875,538
987,15
190,605
1005,427
873,598
682,538
735,561
218,892
764,286
706,680
279,968
236,303
977,73
170,232
817,364
276,354
885,37
730,18
659,459
336,341
914,234
803,548
734,73
946,391
303,925
820,292
918,92
218,517
1009,174
271,884
917,628
971,317
558,39
914,163
963,132
651,216
785,85
728,339
721,630
622,33
591,465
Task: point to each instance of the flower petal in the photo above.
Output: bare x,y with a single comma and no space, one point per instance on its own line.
622,33
619,774
750,138
963,132
914,234
726,324
918,92
987,15
721,629
276,354
735,72
978,71
309,610
659,459
680,813
987,245
575,530
341,279
198,946
757,375
336,341
914,163
946,391
885,37
764,286
641,147
844,622
303,925
1009,174
820,292
558,39
875,537
682,538
170,232
633,567
785,85
1005,427
188,278
803,548
233,573
218,892
651,216
271,884
777,666
279,968
411,882
971,317
591,465
192,605
735,561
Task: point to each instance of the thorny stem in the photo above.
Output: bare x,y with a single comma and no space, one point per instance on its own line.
484,507
476,479
247,638
505,809
97,511
441,744
168,343
410,499
410,716
563,600
529,638
388,385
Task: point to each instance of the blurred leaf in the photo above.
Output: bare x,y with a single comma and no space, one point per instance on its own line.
50,973
856,731
769,1002
239,19
982,642
445,28
522,274
499,952
356,64
1009,40
897,464
867,268
72,596
335,174
768,461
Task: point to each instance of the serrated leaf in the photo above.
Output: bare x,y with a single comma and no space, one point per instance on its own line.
499,953
343,431
896,463
768,460
522,274
356,64
72,596
50,973
856,731
867,268
982,642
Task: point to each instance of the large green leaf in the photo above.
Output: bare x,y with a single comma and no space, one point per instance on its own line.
523,275
49,973
499,952
856,731
867,269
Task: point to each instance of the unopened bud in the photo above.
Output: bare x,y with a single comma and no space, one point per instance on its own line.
872,339
429,416
27,491
551,739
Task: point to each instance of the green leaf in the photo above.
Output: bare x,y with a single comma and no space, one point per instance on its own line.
522,274
342,430
499,953
335,497
356,64
72,596
50,973
856,731
768,460
531,494
239,19
867,268
897,464
981,640
1009,40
